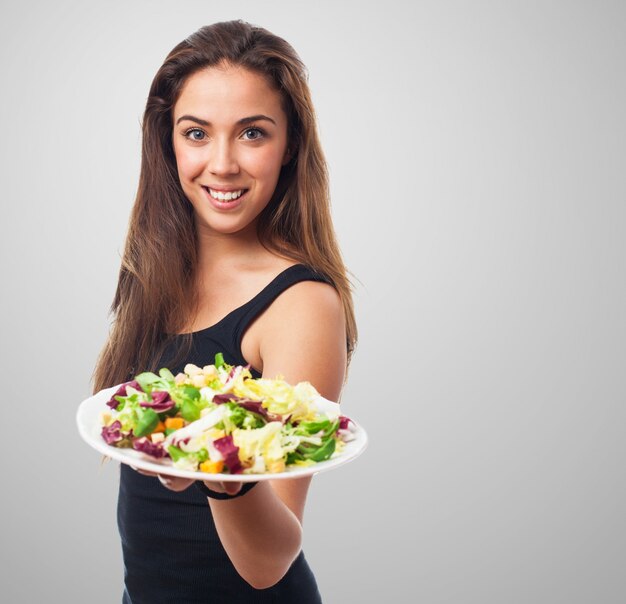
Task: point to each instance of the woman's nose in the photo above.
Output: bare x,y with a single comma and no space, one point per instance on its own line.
223,158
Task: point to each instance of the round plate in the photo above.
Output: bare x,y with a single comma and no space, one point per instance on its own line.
90,428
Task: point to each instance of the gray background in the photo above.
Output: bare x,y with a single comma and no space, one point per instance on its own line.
477,154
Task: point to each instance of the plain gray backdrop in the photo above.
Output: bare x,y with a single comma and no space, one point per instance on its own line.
477,153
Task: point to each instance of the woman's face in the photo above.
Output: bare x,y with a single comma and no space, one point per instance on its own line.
229,136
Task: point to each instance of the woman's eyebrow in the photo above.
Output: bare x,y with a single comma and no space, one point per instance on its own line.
242,121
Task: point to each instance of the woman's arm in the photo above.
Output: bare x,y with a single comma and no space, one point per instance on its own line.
303,338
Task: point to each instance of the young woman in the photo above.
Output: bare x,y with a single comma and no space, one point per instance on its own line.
230,249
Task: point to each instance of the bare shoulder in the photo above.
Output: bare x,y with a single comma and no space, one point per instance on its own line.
305,309
317,297
304,337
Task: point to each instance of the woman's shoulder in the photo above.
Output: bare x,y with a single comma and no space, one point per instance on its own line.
297,299
314,297
301,290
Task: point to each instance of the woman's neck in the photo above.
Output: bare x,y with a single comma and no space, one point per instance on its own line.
227,251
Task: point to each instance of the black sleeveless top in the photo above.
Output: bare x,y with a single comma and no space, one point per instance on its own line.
171,549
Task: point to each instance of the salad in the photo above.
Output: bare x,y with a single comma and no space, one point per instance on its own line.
219,419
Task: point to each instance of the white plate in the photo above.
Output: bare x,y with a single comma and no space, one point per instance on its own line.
90,428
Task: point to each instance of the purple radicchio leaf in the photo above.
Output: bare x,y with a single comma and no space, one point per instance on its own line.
161,402
145,445
121,391
255,407
180,441
219,399
248,405
343,422
230,453
112,433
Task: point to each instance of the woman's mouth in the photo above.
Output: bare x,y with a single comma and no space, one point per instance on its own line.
225,199
225,195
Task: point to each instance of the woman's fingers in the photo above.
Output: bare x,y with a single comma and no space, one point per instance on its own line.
173,483
144,472
231,488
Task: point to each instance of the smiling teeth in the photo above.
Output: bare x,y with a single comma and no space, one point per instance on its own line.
226,196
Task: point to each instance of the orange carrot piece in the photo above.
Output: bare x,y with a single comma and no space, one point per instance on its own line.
174,423
212,467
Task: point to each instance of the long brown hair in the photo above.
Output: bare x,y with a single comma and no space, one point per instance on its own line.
154,293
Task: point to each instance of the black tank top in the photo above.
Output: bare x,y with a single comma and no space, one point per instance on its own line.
171,549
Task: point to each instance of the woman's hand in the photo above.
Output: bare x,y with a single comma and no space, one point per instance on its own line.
230,488
173,483
177,484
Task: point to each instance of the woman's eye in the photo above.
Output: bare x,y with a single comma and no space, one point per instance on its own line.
192,132
260,133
